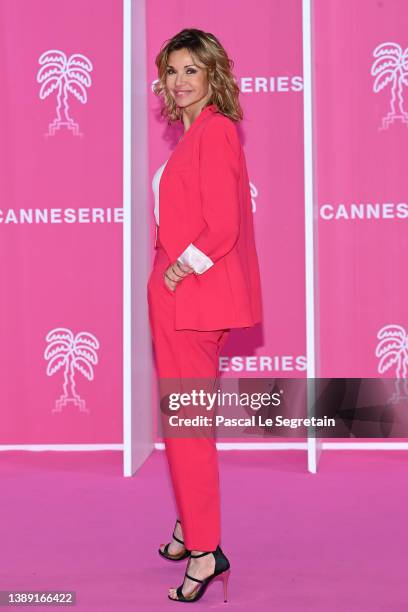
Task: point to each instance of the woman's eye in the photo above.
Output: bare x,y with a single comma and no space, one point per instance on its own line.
170,71
191,71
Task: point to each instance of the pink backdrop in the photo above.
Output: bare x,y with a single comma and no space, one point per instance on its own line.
362,186
61,197
266,46
67,272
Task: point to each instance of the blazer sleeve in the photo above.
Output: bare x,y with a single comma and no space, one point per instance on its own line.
219,163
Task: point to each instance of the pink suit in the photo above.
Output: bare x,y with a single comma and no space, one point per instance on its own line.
204,202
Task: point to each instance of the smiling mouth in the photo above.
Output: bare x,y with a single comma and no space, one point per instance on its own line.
182,91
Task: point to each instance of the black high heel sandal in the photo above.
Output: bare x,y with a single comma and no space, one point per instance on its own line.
165,553
222,568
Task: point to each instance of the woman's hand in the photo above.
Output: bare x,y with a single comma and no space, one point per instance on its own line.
175,273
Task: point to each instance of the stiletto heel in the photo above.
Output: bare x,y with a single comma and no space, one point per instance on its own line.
225,577
165,553
222,569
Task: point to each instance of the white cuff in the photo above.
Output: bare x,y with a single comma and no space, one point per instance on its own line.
196,259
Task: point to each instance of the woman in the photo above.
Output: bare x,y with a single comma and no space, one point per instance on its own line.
205,278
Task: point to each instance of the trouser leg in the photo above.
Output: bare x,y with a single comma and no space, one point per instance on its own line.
182,355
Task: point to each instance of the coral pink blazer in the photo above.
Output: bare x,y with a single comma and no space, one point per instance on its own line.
205,200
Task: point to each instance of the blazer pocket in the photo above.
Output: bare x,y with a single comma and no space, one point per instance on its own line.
178,166
181,170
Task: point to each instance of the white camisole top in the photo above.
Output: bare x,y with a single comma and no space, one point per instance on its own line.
191,256
156,185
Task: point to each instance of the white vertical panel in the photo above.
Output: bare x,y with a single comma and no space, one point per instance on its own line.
314,445
137,416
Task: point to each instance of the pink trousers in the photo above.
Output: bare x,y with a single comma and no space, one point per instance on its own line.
181,354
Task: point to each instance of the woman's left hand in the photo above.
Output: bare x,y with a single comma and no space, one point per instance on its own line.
175,273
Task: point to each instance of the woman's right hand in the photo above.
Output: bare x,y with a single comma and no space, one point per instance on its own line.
175,273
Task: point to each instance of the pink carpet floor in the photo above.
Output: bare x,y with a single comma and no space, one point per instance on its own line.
333,542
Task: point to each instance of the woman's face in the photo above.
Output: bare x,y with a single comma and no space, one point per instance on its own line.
186,80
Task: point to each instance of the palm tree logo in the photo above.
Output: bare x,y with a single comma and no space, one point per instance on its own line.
64,350
65,76
391,66
392,350
254,194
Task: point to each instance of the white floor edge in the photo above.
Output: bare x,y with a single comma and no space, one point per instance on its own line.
61,447
220,446
303,445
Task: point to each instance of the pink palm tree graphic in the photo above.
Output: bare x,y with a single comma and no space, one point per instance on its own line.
392,350
391,66
72,353
65,76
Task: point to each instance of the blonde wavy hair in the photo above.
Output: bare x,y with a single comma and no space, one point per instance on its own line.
207,49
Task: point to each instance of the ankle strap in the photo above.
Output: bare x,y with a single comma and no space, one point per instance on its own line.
201,554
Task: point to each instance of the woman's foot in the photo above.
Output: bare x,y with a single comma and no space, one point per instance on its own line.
201,568
175,548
